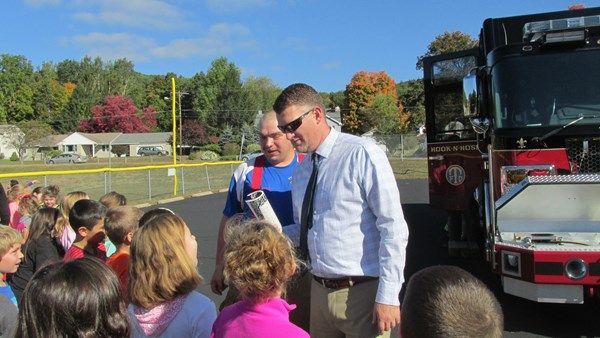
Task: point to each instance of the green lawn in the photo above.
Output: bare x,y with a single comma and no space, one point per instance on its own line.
139,186
413,168
149,185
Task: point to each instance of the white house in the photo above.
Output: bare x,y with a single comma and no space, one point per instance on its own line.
98,144
136,140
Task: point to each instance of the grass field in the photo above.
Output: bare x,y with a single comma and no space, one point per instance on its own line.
150,185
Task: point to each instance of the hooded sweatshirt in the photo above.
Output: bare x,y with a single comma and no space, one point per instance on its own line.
191,315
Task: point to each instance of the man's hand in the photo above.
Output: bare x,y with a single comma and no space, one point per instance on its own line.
217,283
385,317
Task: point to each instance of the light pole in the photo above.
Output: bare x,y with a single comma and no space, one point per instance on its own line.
179,95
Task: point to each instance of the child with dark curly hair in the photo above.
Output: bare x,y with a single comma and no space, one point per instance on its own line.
259,261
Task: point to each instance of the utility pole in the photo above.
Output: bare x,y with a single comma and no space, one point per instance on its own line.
179,95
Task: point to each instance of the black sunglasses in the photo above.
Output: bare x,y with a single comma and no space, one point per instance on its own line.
292,126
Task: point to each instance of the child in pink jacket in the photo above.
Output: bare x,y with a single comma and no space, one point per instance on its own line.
259,260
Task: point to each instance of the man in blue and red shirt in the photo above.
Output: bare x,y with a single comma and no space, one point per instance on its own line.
272,173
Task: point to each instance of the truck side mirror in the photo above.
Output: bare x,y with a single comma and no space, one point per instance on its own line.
480,124
470,106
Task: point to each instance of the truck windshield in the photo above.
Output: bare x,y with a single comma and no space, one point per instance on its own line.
546,90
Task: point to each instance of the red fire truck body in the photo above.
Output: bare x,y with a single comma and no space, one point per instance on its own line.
513,144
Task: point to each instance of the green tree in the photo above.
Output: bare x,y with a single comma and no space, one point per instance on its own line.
260,93
337,99
50,97
447,43
218,97
68,71
412,96
384,114
250,134
16,94
157,89
88,93
226,136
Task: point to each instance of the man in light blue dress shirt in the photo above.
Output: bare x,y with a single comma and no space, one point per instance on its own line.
357,238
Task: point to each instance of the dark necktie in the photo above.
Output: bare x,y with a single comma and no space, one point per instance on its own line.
307,208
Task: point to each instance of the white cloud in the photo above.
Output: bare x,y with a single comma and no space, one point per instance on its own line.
228,6
39,3
221,39
115,46
153,14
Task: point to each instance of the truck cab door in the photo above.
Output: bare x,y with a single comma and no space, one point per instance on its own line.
454,163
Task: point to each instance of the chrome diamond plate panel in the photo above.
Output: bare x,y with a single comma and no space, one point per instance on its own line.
550,179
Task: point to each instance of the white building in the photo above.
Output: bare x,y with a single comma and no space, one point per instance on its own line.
98,144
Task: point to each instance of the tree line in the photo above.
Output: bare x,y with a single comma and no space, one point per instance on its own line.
95,95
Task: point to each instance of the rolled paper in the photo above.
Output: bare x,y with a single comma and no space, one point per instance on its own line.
261,208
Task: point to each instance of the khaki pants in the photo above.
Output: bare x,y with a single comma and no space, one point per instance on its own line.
298,292
344,312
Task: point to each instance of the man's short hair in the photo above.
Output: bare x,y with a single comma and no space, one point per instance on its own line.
86,213
120,221
299,94
447,301
270,115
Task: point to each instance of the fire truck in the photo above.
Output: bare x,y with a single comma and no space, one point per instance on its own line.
513,144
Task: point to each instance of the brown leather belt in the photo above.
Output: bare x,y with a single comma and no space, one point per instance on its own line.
342,283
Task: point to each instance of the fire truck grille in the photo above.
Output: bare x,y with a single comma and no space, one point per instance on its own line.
584,155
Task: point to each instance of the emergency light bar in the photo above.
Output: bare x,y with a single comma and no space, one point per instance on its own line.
533,31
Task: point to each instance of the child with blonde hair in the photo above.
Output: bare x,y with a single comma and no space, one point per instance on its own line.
10,258
259,261
63,231
162,281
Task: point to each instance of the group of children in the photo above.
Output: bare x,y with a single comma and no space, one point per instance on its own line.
65,285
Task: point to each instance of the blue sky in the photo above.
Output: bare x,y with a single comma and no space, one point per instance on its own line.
322,43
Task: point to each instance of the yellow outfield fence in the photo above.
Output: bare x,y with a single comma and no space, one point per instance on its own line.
140,183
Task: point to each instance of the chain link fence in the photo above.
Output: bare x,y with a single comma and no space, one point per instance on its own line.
139,184
153,179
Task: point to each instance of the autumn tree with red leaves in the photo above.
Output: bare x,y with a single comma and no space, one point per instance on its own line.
363,114
193,133
119,114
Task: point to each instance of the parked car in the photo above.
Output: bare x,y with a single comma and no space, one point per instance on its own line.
248,156
148,151
67,158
